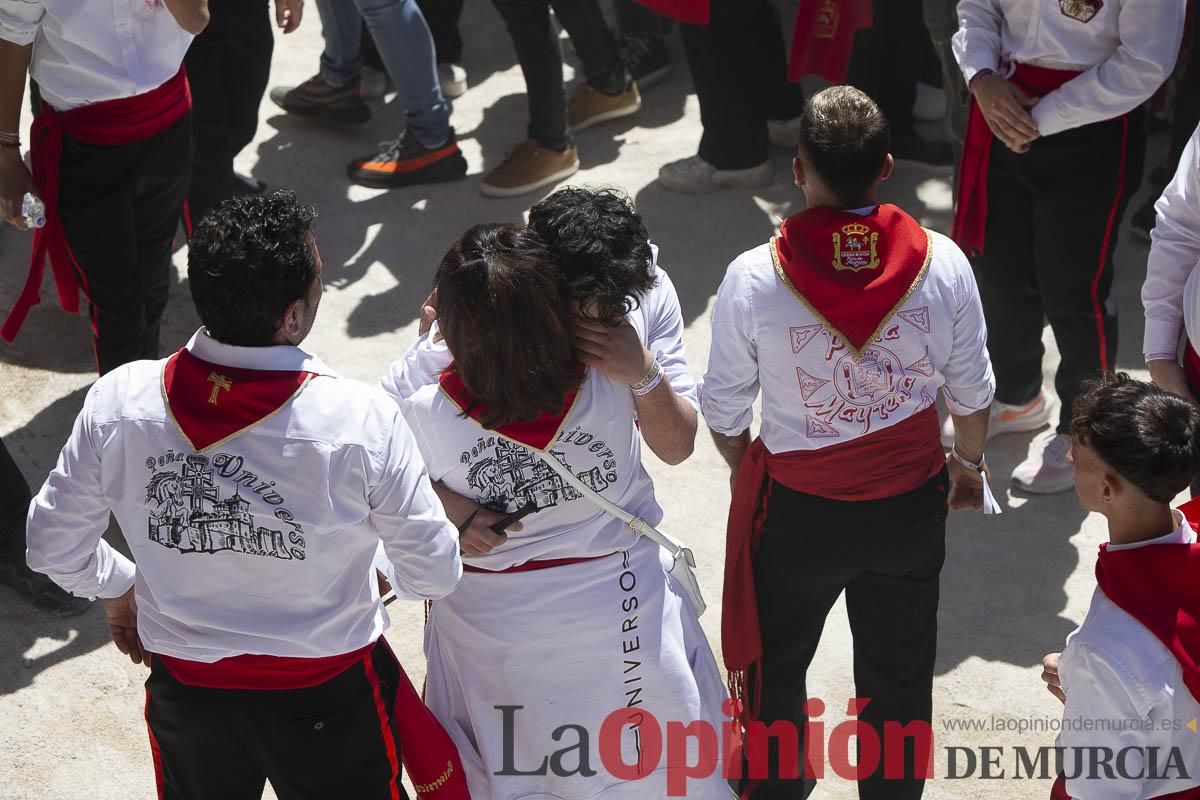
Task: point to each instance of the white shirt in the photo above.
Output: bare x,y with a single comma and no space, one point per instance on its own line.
1124,52
320,484
1171,293
87,51
658,321
1125,689
815,393
598,441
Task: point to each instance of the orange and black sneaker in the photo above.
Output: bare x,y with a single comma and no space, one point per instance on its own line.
404,161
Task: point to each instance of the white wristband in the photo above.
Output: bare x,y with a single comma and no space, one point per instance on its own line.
990,506
649,383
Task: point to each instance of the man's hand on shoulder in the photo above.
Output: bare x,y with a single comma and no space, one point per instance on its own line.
15,183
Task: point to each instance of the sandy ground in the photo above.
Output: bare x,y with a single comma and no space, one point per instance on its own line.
1013,587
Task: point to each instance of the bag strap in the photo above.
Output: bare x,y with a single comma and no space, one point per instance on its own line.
673,546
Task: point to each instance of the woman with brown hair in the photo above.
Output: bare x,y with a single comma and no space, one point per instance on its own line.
569,615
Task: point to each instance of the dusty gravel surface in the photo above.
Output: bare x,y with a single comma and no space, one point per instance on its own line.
71,707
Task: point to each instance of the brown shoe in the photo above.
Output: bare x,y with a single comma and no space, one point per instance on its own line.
529,166
590,106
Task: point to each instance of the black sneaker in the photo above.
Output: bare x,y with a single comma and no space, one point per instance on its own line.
646,57
924,151
316,98
404,161
39,590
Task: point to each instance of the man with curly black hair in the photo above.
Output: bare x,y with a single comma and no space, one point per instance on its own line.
628,323
256,489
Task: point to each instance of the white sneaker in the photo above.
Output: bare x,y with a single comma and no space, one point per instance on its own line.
453,78
930,105
784,132
1047,470
696,176
1006,418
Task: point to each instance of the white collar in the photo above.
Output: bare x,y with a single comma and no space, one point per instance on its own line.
1183,534
275,358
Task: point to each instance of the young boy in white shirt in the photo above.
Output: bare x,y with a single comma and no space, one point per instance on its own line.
1130,674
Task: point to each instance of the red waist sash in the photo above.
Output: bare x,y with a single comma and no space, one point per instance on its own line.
887,463
427,751
113,122
534,566
1191,366
970,214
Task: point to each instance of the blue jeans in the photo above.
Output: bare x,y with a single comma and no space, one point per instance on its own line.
406,47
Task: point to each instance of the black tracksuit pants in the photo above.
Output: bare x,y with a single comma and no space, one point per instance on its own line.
228,67
120,207
887,556
332,741
739,68
1052,222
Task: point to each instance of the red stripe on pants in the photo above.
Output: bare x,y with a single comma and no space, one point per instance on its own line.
1108,234
155,752
385,726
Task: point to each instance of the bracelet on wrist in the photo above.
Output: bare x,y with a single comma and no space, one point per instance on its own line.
972,465
651,380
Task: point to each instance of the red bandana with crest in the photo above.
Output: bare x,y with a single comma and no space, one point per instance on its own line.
212,403
538,434
853,272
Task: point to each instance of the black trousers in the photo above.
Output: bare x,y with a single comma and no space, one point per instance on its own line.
887,556
328,742
739,68
14,505
120,207
228,67
633,17
540,55
1052,223
888,59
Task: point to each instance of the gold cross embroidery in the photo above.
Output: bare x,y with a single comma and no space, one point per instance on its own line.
219,382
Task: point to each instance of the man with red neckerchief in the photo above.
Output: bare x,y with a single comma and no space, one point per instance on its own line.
1054,148
255,488
850,322
1129,675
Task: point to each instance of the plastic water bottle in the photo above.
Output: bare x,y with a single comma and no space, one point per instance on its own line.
33,210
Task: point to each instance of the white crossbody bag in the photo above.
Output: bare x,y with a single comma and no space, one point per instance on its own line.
683,563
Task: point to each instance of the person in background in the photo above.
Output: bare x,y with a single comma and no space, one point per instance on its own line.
851,322
426,151
885,66
1129,676
442,16
228,66
740,72
255,487
33,587
111,149
606,91
1054,149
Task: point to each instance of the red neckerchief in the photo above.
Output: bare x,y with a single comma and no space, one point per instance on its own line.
212,403
113,122
1159,586
853,272
538,434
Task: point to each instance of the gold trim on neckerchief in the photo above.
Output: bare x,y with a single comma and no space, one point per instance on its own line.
773,246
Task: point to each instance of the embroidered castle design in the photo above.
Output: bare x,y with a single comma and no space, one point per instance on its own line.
192,518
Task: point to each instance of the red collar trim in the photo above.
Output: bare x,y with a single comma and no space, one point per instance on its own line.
537,434
212,403
852,272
